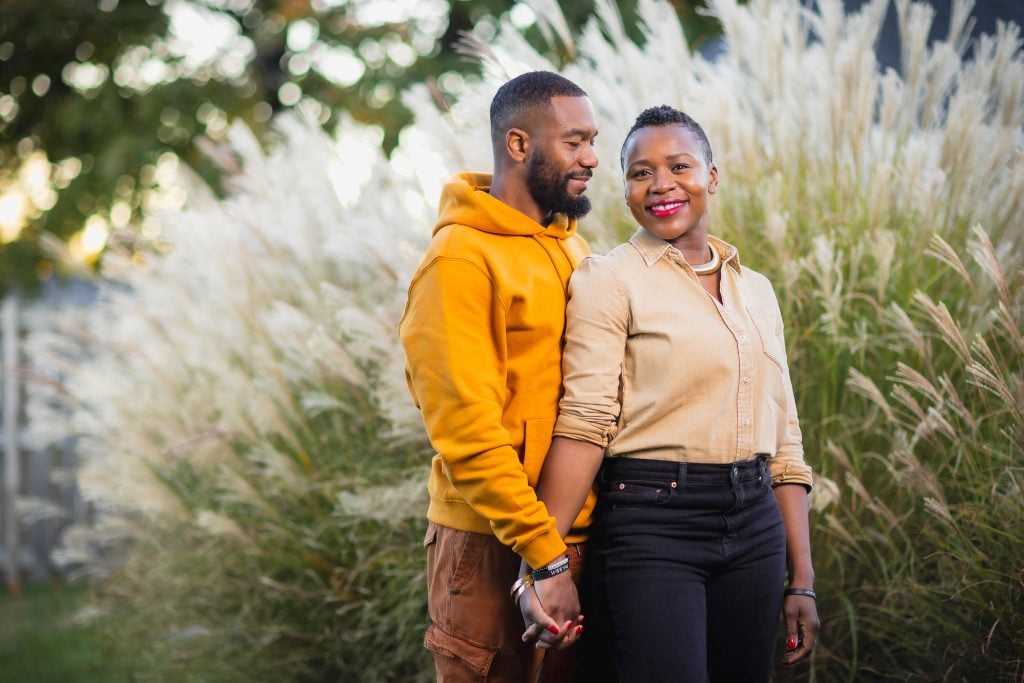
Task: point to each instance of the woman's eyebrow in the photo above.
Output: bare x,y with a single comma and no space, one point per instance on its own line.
669,157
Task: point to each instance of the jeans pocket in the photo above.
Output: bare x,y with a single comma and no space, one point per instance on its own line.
641,492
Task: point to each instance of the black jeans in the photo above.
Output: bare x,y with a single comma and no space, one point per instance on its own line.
687,571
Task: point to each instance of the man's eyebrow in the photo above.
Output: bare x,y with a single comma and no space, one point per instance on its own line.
580,132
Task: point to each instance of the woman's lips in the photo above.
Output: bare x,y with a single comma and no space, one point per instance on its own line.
665,209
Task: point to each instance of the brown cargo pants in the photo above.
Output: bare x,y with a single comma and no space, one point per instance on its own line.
476,630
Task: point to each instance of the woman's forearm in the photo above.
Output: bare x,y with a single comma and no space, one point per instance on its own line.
792,500
568,474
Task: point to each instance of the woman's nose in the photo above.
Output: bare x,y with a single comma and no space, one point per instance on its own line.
662,182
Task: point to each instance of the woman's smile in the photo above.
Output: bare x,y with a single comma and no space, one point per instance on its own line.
666,208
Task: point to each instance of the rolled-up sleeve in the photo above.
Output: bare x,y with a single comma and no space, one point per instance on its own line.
788,465
597,324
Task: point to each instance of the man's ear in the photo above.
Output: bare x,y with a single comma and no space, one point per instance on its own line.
517,142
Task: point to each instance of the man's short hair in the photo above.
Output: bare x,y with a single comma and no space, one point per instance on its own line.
524,95
664,115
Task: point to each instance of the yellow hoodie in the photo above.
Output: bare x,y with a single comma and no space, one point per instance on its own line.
483,332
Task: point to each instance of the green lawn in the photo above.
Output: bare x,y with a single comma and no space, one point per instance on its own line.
40,644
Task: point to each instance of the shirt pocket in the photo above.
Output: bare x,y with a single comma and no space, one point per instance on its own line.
764,321
536,441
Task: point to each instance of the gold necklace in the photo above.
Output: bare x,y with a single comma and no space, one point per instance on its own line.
712,266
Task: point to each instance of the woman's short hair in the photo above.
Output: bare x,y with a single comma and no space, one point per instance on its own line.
664,115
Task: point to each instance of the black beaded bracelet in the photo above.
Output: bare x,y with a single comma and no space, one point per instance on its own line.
801,591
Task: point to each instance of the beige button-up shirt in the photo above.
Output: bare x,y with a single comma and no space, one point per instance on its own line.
655,367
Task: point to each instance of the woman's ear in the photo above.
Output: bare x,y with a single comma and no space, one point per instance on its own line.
517,141
713,179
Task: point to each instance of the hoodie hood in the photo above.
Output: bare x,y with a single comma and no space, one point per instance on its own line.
465,201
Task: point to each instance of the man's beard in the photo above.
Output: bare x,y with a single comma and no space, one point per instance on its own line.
550,189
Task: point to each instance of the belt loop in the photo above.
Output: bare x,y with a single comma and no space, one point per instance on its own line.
681,476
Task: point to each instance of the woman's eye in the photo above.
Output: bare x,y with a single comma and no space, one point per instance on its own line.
641,174
680,167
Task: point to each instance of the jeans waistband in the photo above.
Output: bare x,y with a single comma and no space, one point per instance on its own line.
744,470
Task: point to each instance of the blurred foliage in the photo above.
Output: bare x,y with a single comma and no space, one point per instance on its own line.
40,639
241,414
93,93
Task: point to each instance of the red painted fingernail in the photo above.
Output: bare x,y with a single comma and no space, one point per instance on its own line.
553,629
790,643
579,630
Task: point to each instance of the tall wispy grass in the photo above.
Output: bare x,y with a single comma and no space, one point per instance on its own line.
245,429
245,418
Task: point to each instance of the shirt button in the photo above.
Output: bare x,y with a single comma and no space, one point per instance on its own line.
745,422
745,379
742,338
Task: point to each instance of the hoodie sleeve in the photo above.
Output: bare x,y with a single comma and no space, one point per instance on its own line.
453,332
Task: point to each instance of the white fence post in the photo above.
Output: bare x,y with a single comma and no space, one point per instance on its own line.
12,459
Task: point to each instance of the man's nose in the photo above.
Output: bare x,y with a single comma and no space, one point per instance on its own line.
589,157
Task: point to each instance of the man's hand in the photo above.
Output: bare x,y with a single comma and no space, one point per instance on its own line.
558,596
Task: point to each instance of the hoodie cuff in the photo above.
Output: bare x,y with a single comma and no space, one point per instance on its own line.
543,549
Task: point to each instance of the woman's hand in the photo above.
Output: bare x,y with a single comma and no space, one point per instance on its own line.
801,615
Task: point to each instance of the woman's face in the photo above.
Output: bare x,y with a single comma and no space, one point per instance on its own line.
667,182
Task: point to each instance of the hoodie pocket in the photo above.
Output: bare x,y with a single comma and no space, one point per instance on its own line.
536,442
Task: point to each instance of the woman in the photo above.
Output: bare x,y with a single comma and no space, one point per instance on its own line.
678,399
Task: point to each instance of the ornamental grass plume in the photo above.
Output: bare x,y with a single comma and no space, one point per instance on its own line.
239,418
244,414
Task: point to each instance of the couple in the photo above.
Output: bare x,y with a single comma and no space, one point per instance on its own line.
667,430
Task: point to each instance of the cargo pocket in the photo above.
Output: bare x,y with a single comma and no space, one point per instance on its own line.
536,442
456,651
467,549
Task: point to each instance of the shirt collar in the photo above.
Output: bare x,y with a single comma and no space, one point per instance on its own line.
652,248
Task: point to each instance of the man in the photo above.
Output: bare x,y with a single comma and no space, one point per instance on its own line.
482,333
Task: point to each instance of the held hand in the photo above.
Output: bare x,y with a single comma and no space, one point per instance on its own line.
559,597
542,628
801,615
